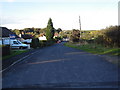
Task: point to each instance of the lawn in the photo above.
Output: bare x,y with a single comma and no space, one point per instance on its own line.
14,53
95,49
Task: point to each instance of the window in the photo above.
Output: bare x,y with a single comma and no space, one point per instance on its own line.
15,42
19,42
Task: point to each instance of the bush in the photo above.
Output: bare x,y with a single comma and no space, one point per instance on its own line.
35,43
75,36
50,42
110,37
43,43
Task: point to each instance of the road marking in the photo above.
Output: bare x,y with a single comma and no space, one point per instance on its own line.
48,61
21,59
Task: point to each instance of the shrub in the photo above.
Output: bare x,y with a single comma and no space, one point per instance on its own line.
110,37
50,42
43,43
35,43
75,36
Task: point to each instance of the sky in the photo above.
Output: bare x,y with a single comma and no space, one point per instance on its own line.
95,14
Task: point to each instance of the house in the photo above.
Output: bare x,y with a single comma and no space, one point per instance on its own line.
7,34
56,34
26,38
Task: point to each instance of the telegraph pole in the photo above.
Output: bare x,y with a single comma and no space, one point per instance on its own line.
80,26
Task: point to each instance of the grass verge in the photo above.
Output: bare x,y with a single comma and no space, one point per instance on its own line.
95,49
14,53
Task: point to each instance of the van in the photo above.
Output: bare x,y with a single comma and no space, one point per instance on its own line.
14,43
17,44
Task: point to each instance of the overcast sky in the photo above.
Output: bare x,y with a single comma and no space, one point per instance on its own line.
95,14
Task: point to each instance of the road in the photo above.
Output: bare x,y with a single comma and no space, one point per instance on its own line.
61,66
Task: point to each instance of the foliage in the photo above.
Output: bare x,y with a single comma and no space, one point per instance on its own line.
75,36
50,42
66,33
16,31
50,30
59,30
110,37
57,38
35,43
91,34
43,43
31,31
28,30
65,36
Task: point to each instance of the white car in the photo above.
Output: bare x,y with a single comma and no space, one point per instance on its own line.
14,43
17,44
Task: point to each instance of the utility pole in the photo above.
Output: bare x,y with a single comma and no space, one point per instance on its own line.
80,26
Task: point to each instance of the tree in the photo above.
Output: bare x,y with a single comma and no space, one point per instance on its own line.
75,36
16,31
59,30
50,30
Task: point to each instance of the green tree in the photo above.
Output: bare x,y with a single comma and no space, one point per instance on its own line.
50,30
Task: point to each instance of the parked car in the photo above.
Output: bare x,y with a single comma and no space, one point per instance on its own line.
18,44
14,43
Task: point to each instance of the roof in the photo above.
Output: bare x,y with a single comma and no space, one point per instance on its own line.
27,36
5,32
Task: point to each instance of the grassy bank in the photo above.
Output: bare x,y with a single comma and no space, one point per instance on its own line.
95,49
14,53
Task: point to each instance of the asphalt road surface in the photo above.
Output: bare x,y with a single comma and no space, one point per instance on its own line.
61,66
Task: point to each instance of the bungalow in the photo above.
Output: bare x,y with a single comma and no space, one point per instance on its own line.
6,35
27,38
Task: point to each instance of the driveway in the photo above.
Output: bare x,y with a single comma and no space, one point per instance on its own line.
61,66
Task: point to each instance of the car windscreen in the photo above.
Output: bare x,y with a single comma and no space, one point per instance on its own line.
15,42
19,42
